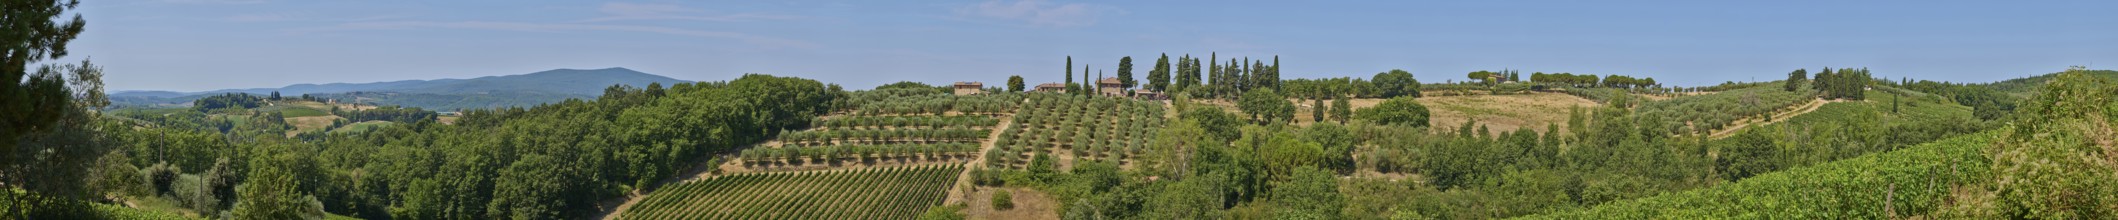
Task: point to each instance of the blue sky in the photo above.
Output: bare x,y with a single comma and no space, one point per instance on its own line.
193,45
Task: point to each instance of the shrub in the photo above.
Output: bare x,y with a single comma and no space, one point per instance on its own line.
1003,201
1396,111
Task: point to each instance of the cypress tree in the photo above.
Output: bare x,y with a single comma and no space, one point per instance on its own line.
1215,69
1316,110
1246,75
1158,78
1125,72
1069,69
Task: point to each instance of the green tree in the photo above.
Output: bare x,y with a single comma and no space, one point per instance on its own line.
1125,72
1482,76
1002,200
1794,79
1317,109
1158,78
272,191
1189,76
33,104
1341,109
1311,194
2051,165
1396,111
1264,105
1015,83
49,137
1070,71
1190,198
946,212
1042,168
1396,82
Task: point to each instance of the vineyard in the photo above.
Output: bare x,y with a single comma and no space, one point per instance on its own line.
759,156
925,102
1084,126
1908,182
887,193
877,137
883,122
1707,113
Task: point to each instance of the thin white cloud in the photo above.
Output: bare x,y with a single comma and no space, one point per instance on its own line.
547,27
619,11
1037,12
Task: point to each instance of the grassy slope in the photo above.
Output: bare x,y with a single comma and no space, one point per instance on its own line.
1910,182
2022,87
1504,112
361,126
1498,112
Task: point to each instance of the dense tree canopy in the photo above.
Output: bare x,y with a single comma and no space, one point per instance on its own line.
1015,83
1158,78
1396,83
1396,111
1125,72
1266,106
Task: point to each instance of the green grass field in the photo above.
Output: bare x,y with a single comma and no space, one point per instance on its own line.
362,126
294,111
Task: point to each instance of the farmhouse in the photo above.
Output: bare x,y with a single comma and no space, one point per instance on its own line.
1051,87
1149,95
969,88
1110,87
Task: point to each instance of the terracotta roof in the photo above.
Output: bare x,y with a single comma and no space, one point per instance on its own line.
1109,80
970,84
1051,85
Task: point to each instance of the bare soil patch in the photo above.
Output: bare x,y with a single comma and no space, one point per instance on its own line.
1029,205
310,123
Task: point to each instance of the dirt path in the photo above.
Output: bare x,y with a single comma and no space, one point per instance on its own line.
963,180
1782,115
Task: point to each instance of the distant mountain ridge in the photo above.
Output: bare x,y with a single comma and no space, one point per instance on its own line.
559,81
481,92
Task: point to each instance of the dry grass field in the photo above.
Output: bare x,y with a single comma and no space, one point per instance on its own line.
1497,112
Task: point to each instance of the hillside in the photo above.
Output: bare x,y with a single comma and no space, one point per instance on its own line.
1901,183
2023,87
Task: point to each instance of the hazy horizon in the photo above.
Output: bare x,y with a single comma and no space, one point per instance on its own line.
199,45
